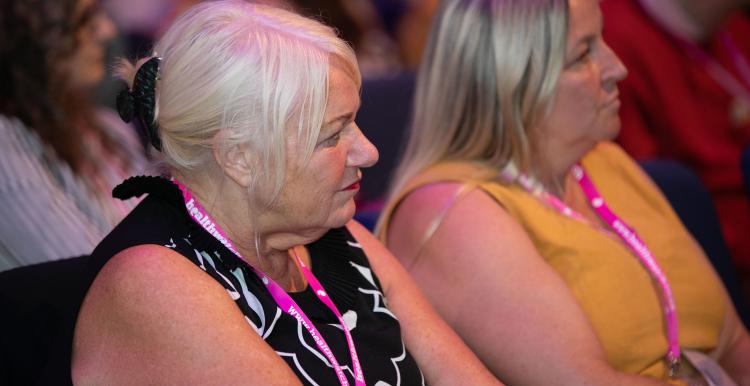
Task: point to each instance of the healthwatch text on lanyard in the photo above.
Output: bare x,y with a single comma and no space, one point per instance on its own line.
625,232
285,302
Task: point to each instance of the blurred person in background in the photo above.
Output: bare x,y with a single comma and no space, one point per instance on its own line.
60,156
359,23
139,23
687,96
142,21
411,30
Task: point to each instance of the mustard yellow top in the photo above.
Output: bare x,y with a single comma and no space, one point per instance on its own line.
613,288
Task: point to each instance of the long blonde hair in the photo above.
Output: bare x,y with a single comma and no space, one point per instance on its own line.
488,75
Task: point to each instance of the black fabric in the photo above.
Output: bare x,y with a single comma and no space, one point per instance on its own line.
337,261
40,304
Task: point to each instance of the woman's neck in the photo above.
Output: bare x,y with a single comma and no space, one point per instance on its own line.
554,173
555,186
268,252
276,262
249,232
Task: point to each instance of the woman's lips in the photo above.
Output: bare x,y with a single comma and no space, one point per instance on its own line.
614,104
614,99
353,186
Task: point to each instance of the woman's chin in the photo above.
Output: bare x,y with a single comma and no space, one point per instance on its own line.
343,215
613,129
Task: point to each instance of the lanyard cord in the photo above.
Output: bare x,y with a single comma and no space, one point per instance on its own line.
628,235
282,299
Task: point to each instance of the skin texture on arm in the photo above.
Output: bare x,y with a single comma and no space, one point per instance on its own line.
151,316
735,338
440,353
484,276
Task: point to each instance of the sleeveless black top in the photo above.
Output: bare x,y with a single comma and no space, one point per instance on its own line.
337,261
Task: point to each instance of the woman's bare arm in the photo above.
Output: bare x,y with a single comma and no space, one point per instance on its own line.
485,277
735,358
440,353
151,316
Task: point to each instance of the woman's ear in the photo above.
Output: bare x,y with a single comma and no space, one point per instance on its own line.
237,162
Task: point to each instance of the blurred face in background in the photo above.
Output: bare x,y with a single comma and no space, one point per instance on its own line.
85,67
586,104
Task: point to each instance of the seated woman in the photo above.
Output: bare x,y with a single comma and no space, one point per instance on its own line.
546,248
60,156
243,266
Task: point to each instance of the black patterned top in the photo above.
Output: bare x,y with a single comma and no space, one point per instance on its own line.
337,261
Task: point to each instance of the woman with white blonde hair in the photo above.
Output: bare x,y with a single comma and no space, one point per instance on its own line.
243,266
547,249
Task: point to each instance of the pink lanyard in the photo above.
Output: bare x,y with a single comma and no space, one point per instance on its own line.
285,302
511,174
625,232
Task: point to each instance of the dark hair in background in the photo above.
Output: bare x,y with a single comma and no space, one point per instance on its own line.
35,36
331,12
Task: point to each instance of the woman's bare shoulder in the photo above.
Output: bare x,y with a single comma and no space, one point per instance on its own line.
147,277
416,213
425,211
153,314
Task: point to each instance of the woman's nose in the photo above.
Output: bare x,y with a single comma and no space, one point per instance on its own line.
363,153
613,68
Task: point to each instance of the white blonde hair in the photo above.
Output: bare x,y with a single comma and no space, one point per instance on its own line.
488,75
234,73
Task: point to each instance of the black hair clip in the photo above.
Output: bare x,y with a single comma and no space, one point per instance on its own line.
140,102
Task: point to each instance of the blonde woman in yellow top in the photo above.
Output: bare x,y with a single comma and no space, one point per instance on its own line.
544,245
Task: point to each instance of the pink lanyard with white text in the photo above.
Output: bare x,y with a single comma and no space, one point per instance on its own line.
285,302
625,232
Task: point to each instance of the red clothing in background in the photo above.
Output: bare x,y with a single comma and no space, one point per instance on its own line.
673,108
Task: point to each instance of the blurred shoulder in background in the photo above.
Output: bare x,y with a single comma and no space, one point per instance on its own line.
687,97
60,154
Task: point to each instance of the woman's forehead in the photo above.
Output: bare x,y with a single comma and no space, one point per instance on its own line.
585,20
343,94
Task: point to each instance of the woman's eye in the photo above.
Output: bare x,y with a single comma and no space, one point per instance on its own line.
583,56
332,140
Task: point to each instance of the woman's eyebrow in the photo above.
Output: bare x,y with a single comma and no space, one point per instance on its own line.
341,117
